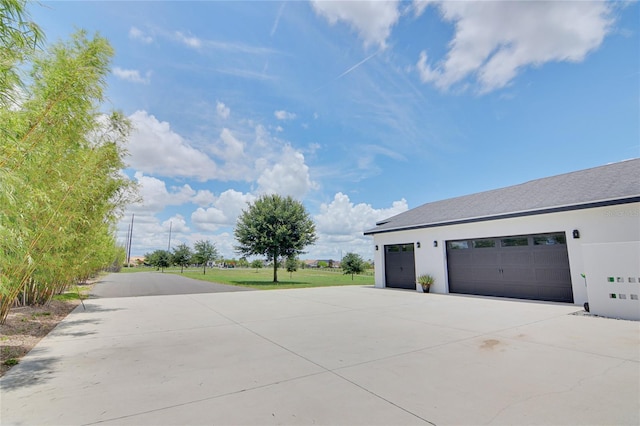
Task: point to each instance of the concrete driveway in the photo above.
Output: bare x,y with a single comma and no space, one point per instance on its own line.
341,355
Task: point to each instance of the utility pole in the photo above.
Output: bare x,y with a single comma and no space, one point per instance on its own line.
169,246
126,245
130,239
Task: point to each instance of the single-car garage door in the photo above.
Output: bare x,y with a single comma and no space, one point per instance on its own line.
525,267
400,266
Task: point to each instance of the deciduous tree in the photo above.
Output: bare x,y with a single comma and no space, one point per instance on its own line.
160,259
292,265
352,264
257,264
275,227
182,256
205,251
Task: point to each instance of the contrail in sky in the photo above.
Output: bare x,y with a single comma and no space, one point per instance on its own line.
356,66
277,21
349,70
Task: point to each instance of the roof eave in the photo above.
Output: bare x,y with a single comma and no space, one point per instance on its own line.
546,210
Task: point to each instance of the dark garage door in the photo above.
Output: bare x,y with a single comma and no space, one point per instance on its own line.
400,266
525,267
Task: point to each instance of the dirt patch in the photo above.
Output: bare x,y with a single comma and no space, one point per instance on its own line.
26,326
489,344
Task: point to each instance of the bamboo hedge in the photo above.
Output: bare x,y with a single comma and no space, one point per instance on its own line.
61,186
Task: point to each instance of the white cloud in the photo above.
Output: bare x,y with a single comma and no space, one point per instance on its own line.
340,226
225,211
155,195
235,162
203,198
427,74
342,217
235,47
372,20
284,115
313,148
231,149
222,110
209,219
189,41
493,41
148,233
137,34
153,192
176,224
132,75
420,5
290,176
156,149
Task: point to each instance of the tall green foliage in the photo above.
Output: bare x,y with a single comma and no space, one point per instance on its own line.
352,264
182,256
291,265
160,259
275,227
19,38
61,188
204,252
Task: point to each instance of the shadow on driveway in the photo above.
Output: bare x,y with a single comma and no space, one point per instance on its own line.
32,370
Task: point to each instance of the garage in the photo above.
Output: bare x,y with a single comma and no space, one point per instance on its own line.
400,266
526,241
532,267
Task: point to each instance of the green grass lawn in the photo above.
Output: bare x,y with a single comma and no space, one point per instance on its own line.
263,278
138,269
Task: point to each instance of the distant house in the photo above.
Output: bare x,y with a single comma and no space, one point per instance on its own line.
310,263
313,263
136,260
529,241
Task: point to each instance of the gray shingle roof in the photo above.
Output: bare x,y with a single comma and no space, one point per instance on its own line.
615,183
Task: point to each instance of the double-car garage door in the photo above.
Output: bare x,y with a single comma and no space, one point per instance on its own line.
525,267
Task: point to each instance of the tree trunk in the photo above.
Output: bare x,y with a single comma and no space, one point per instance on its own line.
275,266
204,269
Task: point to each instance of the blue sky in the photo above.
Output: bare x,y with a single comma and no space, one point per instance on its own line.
361,110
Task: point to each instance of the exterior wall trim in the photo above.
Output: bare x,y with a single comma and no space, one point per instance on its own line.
606,203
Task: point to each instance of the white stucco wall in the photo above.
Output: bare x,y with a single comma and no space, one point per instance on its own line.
612,224
613,279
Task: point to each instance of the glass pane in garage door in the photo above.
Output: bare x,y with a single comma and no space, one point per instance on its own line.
514,242
458,245
484,243
549,239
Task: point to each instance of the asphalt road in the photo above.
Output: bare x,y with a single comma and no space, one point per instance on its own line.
155,284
